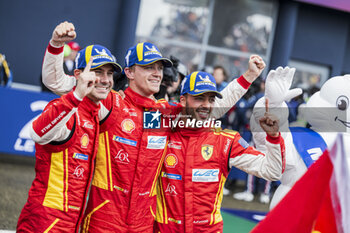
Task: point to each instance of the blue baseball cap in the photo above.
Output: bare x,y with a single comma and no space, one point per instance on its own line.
100,55
144,54
198,83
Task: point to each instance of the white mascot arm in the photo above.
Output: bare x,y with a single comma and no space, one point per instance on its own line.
277,85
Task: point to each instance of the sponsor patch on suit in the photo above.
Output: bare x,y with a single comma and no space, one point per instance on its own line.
205,175
156,142
172,176
124,140
80,156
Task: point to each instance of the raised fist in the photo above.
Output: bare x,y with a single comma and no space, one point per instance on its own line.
255,66
63,33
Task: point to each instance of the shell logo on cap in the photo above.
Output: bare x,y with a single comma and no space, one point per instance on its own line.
171,160
128,125
84,141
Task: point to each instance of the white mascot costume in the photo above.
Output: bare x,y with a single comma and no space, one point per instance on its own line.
327,111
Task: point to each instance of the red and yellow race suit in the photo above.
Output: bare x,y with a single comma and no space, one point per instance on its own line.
128,162
129,157
66,136
193,175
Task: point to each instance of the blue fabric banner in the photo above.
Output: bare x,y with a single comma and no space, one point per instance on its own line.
19,109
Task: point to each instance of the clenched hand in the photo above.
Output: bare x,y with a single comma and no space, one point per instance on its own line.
255,66
269,122
63,33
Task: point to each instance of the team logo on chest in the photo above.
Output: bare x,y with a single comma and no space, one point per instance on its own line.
207,151
84,141
128,125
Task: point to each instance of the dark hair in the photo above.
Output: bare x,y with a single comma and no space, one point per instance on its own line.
223,70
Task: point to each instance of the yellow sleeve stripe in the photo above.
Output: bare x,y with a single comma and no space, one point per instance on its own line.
55,195
52,225
152,193
100,178
161,213
228,135
88,217
215,216
154,216
161,101
66,180
109,163
233,132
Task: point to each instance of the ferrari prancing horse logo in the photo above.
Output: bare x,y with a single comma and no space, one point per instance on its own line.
207,151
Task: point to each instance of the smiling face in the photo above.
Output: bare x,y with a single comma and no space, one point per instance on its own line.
104,84
145,80
329,108
200,106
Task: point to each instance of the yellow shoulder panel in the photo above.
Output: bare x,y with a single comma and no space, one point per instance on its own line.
161,101
226,132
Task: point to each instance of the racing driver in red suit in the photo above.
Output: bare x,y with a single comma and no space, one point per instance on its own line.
129,157
198,161
66,136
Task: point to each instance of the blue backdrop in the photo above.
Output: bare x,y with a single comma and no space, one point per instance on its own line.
19,109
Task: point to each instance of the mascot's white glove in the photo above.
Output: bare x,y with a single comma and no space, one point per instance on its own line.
277,86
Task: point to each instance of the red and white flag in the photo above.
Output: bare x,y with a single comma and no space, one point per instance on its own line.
319,202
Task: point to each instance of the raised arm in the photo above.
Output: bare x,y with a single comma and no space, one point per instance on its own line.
52,124
57,120
53,75
238,87
269,164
